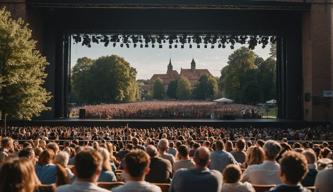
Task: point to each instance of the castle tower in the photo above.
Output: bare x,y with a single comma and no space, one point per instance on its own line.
170,67
193,64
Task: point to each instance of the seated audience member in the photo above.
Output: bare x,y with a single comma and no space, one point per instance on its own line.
310,177
136,165
7,147
54,147
45,169
18,175
323,181
200,178
172,150
163,146
160,169
238,153
220,158
229,146
231,180
293,169
107,174
62,177
266,173
62,159
88,164
255,155
28,153
184,159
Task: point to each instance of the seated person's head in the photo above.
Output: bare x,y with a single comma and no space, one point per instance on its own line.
293,167
240,145
88,165
310,156
202,157
28,153
18,174
163,144
271,149
219,145
62,158
152,151
232,174
183,151
137,164
46,157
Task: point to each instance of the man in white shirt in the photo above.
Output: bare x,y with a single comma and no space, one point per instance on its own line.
184,159
163,146
136,168
88,166
267,173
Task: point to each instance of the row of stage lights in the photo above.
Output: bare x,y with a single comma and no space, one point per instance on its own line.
174,41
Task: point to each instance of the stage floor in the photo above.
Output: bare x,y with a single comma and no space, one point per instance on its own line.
154,123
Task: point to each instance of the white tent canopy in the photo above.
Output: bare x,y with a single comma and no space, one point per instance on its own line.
272,101
223,100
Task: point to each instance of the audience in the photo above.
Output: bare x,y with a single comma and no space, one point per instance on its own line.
311,159
45,169
199,179
266,173
163,146
137,167
220,158
231,180
293,169
106,173
238,153
88,166
7,147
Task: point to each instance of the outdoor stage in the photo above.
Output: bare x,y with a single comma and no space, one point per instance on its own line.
155,123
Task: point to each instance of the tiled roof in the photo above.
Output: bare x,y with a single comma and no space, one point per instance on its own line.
193,75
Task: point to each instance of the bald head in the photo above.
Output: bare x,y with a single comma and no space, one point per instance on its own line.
202,157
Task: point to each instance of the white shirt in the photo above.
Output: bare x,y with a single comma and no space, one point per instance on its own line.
323,181
80,186
137,186
188,164
267,173
239,187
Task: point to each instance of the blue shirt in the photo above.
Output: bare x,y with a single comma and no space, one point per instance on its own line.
47,174
107,176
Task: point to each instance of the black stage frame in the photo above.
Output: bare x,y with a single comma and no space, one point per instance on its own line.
53,23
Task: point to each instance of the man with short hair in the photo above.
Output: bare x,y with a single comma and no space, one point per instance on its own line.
160,169
88,166
238,153
266,173
199,179
293,170
163,146
28,153
184,159
136,168
220,158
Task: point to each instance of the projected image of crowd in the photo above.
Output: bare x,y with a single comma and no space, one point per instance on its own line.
166,159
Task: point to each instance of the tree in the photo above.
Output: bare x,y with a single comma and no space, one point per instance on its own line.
206,88
172,88
183,90
107,79
158,89
22,71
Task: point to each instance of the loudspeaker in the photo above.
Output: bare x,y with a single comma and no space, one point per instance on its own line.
82,113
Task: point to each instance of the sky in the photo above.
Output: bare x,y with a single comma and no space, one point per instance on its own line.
149,61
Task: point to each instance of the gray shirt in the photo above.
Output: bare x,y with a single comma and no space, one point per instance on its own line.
221,159
196,180
323,181
79,186
137,186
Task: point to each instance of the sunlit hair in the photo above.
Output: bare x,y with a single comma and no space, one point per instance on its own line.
18,175
255,155
46,157
106,166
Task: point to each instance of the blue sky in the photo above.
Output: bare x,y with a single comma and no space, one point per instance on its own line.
149,61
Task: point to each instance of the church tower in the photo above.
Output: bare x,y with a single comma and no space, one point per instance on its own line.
193,64
170,67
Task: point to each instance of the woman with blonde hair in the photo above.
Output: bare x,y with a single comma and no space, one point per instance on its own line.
18,175
255,155
107,175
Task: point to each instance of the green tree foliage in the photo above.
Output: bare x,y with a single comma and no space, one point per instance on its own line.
158,89
248,78
107,79
206,88
172,88
183,90
22,70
